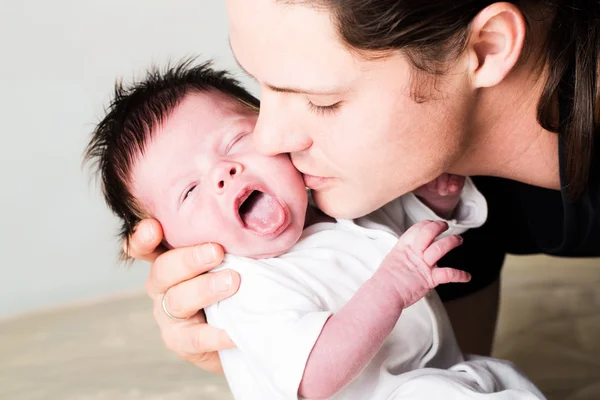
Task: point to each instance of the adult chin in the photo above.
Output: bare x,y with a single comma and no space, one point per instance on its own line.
345,205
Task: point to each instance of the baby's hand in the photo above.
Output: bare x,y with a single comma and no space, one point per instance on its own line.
411,264
442,194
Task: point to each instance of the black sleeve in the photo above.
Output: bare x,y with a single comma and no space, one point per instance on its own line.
482,252
524,219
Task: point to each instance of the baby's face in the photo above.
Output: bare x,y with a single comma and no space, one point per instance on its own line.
202,178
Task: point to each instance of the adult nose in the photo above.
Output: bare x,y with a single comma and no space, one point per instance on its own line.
276,130
223,174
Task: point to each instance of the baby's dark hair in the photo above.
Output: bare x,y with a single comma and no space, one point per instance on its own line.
131,117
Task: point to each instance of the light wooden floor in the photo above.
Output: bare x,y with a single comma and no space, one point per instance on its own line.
549,325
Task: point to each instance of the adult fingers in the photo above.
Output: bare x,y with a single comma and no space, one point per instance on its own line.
144,243
210,362
186,298
178,265
192,340
195,341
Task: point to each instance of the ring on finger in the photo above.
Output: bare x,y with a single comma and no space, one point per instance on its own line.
164,307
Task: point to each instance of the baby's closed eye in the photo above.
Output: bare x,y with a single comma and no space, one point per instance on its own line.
187,192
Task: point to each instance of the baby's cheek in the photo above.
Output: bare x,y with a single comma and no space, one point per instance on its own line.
186,230
203,225
174,236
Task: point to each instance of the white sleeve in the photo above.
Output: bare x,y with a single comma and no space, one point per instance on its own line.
471,211
275,320
481,378
496,375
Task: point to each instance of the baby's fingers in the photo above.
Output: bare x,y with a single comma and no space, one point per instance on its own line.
441,276
421,235
455,183
439,249
442,185
432,186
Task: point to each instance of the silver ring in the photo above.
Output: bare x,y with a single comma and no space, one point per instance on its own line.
164,307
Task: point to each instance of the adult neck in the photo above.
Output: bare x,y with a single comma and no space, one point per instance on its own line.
506,139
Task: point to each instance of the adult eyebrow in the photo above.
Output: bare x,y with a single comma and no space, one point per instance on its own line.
280,89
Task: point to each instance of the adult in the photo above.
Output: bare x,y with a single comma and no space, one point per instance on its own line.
373,98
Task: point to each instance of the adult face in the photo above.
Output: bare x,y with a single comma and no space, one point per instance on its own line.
351,124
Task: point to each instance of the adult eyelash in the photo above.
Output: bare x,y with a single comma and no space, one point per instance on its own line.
324,110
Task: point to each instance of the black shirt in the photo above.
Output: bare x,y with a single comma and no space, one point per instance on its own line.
525,219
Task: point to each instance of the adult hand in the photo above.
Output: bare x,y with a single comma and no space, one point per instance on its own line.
180,276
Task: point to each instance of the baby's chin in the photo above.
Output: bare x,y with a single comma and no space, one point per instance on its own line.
267,248
267,255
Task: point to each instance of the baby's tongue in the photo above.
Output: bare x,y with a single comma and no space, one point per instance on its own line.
261,213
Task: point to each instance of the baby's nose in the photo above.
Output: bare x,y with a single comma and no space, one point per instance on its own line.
224,173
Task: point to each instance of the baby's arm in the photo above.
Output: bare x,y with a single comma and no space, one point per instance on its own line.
351,337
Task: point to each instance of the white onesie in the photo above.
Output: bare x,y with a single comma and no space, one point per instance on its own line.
277,315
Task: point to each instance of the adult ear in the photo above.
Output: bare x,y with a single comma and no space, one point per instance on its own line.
495,44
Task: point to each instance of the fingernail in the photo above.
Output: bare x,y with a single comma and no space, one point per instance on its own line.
204,255
460,239
222,282
146,233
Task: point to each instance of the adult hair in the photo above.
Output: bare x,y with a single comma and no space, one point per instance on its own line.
434,32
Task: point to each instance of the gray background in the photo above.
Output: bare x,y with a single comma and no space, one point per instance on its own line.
58,63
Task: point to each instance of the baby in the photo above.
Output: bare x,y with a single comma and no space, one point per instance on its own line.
326,308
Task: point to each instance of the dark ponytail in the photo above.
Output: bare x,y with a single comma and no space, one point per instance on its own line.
432,32
572,53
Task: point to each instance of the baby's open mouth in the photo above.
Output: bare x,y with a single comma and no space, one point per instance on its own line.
262,213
